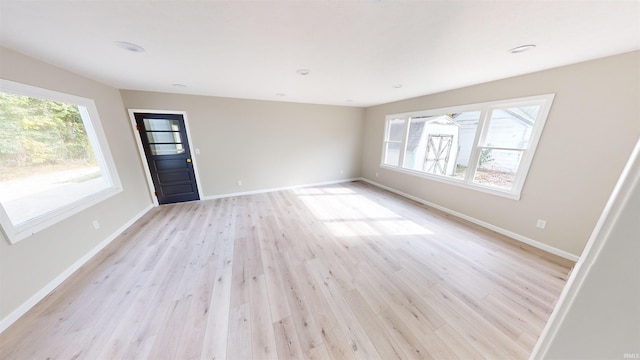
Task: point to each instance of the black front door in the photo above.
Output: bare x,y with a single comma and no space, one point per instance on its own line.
166,148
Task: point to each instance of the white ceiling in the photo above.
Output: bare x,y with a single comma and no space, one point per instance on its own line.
356,50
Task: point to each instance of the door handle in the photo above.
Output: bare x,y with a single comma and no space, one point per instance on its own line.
188,160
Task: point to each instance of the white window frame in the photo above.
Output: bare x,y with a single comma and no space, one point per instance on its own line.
486,108
98,141
386,141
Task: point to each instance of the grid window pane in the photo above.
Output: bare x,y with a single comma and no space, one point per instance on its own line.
468,125
511,127
395,130
441,144
392,154
497,168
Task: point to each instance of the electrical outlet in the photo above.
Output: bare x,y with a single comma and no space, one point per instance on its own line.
96,224
541,223
341,172
197,151
239,182
376,174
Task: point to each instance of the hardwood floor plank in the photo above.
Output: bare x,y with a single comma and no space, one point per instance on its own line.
117,343
309,334
242,267
317,353
192,338
167,339
263,342
410,344
518,316
402,296
278,304
457,343
287,341
360,344
239,338
370,290
334,341
485,335
374,328
216,334
214,338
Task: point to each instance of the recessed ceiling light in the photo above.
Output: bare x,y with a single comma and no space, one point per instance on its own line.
179,85
521,48
280,94
129,46
349,100
397,86
303,72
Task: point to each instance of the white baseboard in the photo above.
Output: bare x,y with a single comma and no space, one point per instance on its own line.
33,300
261,191
22,309
511,234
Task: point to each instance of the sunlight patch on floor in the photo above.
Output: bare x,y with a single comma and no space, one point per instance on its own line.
345,207
347,214
351,228
401,227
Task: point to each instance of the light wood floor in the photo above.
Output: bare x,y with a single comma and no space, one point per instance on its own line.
342,271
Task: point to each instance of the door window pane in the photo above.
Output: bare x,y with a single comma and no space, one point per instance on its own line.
164,137
167,149
161,125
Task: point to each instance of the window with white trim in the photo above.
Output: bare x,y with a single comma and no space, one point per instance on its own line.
393,141
54,159
487,146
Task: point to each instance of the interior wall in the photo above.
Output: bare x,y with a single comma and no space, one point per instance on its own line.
265,144
29,265
598,314
589,134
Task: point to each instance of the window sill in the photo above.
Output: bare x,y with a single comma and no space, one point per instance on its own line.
456,182
14,234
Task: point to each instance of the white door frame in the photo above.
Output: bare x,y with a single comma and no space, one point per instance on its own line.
143,157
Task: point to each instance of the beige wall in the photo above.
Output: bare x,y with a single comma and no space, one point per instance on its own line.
590,132
29,265
265,144
598,314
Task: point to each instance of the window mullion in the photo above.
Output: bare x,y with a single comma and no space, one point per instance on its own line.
475,152
403,143
385,140
502,148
